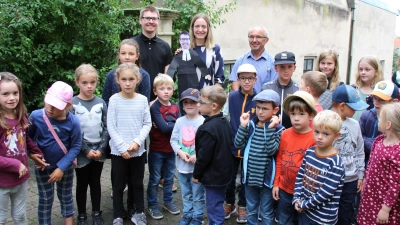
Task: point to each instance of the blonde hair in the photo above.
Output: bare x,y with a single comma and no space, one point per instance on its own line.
128,66
209,38
149,8
391,112
133,43
215,94
19,110
85,69
335,78
161,79
374,62
316,81
329,120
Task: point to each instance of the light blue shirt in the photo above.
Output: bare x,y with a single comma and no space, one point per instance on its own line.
264,66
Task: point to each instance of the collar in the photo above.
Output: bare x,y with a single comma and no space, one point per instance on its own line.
263,55
213,117
144,38
283,86
250,95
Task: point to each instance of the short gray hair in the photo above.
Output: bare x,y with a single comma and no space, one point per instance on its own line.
263,28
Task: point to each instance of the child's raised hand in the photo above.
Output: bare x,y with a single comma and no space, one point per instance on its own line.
56,175
126,155
184,155
133,147
275,193
22,170
244,119
274,121
383,215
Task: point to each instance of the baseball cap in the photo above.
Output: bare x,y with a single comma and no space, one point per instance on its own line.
386,90
59,95
268,96
305,96
190,93
349,95
285,58
246,68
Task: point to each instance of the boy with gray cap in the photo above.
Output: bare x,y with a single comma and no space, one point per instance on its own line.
260,139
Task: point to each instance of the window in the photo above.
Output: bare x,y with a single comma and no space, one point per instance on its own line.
308,63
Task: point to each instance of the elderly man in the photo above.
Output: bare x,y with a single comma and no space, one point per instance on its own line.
155,54
258,57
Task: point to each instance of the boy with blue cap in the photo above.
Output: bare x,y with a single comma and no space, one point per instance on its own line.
350,144
260,139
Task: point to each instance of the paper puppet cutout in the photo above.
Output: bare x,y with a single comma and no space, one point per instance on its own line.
187,64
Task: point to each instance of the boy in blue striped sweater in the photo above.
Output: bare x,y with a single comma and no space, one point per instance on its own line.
260,138
320,179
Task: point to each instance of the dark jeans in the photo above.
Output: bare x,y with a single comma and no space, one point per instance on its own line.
230,190
346,209
304,220
88,175
215,204
121,167
285,211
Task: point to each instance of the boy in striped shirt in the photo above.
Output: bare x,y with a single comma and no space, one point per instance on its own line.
320,179
260,138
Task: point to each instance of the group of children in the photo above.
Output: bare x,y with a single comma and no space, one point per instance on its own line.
313,169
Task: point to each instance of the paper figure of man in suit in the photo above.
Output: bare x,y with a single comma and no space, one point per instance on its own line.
188,65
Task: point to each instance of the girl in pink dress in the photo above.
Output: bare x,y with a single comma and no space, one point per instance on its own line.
380,200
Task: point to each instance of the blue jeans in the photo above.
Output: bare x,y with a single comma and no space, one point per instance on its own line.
304,220
285,210
17,195
259,198
346,209
215,204
192,197
158,162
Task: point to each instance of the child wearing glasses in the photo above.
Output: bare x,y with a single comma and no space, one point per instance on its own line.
285,65
213,165
260,138
239,102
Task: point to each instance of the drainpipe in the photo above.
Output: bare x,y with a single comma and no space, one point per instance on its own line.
352,6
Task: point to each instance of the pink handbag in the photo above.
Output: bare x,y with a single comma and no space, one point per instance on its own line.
74,163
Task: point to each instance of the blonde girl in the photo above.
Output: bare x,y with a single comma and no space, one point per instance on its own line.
369,73
327,62
128,51
380,199
128,124
92,114
60,155
14,149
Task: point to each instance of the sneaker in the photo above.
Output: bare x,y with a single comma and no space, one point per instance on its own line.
186,220
241,215
82,219
96,217
174,188
139,219
171,207
196,222
118,221
155,213
126,188
229,210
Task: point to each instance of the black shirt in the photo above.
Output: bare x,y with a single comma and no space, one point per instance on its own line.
155,55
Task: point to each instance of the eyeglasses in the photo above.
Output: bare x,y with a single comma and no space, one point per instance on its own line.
205,103
185,39
262,109
148,19
244,79
258,38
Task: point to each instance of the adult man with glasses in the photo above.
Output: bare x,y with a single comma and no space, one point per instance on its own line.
258,57
155,54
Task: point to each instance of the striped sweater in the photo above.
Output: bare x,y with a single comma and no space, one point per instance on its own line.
264,143
319,184
128,120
